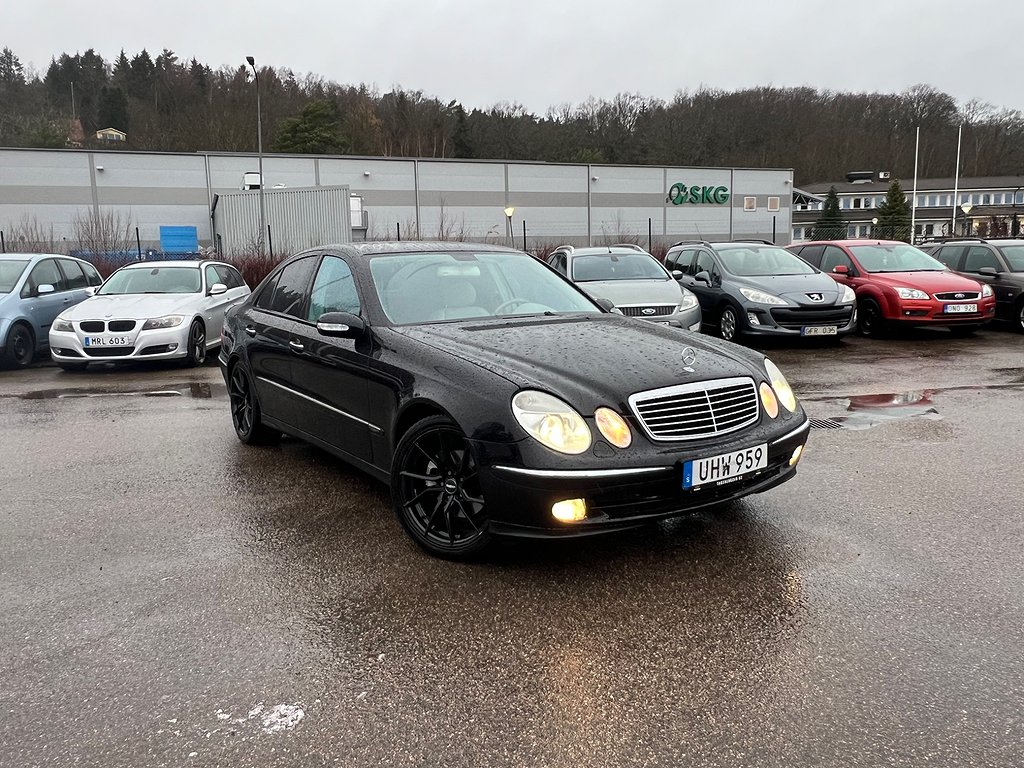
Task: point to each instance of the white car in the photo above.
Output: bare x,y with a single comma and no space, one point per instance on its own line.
155,310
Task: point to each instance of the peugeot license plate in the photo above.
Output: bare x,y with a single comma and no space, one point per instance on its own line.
107,341
819,330
724,467
961,308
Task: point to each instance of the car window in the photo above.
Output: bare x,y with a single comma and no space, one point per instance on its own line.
706,263
558,262
92,275
1014,255
10,273
949,255
761,261
334,289
230,276
153,279
895,257
812,254
212,278
74,275
292,288
44,273
979,257
681,260
834,257
617,266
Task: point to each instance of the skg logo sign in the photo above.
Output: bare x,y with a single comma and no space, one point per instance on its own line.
680,194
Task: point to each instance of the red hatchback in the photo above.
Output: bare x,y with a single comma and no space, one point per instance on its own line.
899,284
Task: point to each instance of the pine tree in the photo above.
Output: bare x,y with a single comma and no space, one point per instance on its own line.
894,215
316,131
12,74
113,109
830,225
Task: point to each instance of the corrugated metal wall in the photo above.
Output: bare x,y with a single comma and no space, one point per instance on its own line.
296,219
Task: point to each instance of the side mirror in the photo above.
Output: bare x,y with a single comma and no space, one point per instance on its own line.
217,289
342,325
44,289
606,304
677,274
703,277
841,269
90,291
990,271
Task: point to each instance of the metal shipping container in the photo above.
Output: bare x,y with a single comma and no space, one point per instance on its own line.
297,218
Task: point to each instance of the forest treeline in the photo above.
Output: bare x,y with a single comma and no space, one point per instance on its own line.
164,103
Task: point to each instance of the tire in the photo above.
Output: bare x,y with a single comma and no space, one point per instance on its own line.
870,321
728,323
245,410
435,490
1018,317
73,367
196,355
19,348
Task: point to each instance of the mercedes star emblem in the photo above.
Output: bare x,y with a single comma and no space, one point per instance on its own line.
689,356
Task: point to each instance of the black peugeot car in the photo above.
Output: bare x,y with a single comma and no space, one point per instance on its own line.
756,288
496,398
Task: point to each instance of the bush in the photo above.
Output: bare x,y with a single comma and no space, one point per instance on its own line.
255,265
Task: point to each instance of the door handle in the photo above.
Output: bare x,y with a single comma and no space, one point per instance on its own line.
251,330
296,345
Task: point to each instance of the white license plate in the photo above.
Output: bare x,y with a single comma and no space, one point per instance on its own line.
724,467
819,330
108,341
961,308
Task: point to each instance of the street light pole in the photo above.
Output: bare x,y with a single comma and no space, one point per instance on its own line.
508,215
259,152
966,208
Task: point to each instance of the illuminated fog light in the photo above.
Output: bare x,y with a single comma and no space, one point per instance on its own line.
796,455
752,319
769,400
613,427
569,511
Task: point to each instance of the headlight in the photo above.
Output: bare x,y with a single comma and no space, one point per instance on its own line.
552,422
169,321
760,297
689,301
769,400
613,427
780,385
63,326
986,290
911,293
848,295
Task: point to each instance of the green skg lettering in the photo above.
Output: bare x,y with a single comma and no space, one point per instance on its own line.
721,195
680,194
677,194
695,195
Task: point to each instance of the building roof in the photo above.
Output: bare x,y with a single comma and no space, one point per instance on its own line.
966,184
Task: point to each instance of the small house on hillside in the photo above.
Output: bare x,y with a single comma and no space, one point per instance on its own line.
111,134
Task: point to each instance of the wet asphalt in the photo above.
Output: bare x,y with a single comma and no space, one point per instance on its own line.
170,597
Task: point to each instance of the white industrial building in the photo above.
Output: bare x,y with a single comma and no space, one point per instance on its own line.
424,198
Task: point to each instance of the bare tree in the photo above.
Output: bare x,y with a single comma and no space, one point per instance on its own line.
27,235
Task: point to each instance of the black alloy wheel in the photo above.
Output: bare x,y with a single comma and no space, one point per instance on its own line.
869,319
435,489
245,410
20,347
196,345
728,324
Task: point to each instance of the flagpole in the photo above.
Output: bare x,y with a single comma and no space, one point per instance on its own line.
956,182
913,207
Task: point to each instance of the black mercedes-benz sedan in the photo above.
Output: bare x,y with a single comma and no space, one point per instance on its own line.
496,398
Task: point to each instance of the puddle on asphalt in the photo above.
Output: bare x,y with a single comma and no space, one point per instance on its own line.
196,390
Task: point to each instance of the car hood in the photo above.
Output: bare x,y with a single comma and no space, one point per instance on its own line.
132,306
929,282
589,360
634,291
795,288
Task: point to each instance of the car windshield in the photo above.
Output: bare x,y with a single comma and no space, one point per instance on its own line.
616,266
895,258
1014,256
153,280
10,273
432,287
761,261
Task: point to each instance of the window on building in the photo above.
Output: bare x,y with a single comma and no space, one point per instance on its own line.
749,203
857,201
773,204
933,200
986,199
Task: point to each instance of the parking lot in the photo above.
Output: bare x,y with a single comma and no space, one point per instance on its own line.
171,597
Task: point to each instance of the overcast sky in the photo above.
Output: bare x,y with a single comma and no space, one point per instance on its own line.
547,52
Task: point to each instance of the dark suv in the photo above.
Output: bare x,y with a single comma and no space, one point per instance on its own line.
1000,263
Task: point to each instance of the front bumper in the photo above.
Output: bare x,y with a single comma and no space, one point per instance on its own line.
519,499
762,320
162,344
933,312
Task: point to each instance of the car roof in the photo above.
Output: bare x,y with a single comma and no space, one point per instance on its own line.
854,241
30,256
169,263
386,247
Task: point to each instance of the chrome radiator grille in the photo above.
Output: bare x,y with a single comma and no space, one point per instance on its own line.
694,411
